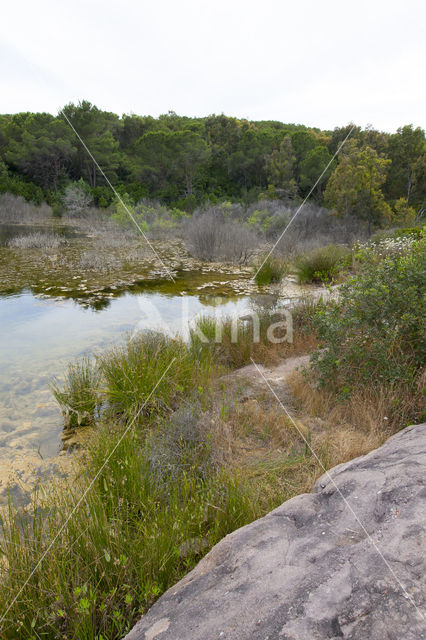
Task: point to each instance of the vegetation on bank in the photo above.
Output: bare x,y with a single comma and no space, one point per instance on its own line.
165,475
375,332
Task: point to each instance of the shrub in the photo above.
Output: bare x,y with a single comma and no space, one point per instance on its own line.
15,209
374,333
210,237
271,270
79,397
37,240
387,247
323,264
77,199
182,446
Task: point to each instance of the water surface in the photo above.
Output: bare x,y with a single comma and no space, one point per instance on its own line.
39,336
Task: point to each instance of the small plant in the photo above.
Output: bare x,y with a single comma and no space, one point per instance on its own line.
79,396
270,270
182,446
323,264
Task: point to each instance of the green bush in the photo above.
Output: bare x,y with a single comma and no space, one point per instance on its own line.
272,270
375,332
323,264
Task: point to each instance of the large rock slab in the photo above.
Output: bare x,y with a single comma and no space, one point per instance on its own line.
311,569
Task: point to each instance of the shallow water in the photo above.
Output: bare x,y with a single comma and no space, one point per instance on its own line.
40,336
52,311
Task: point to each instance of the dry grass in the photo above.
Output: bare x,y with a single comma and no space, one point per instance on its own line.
377,408
259,440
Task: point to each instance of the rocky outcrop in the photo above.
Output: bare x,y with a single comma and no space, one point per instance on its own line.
347,561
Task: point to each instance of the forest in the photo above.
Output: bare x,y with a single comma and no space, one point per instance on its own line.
378,178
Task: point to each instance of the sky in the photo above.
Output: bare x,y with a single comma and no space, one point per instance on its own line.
319,63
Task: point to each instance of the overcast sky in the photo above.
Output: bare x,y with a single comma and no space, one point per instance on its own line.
317,62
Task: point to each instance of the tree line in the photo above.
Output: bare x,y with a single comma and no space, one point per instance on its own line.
184,162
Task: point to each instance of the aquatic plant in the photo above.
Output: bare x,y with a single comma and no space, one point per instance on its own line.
79,395
37,240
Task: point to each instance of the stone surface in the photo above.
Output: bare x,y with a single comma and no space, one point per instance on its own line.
311,569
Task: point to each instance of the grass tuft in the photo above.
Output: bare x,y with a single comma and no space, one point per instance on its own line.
79,397
272,270
323,265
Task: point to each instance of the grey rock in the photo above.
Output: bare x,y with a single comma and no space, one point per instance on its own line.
347,561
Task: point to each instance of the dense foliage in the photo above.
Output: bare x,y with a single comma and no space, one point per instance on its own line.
375,332
185,161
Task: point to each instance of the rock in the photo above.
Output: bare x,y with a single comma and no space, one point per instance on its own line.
312,569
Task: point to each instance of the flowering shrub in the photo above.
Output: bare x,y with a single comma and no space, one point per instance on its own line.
375,332
390,246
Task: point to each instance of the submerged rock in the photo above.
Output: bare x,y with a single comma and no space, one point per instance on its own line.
347,561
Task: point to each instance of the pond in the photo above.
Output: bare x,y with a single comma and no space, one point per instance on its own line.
53,310
40,335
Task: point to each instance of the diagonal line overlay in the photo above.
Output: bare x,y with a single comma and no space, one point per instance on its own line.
108,181
92,482
340,147
405,593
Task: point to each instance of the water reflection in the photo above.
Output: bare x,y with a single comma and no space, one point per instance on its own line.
39,337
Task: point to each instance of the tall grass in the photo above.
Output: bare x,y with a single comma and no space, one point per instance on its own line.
79,396
120,380
144,503
233,343
271,270
114,551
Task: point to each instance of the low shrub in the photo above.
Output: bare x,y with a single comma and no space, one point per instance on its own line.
182,446
37,240
271,270
323,264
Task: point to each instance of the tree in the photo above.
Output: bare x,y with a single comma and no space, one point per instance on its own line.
302,143
311,168
407,151
280,167
40,147
99,130
354,187
402,214
191,152
172,158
